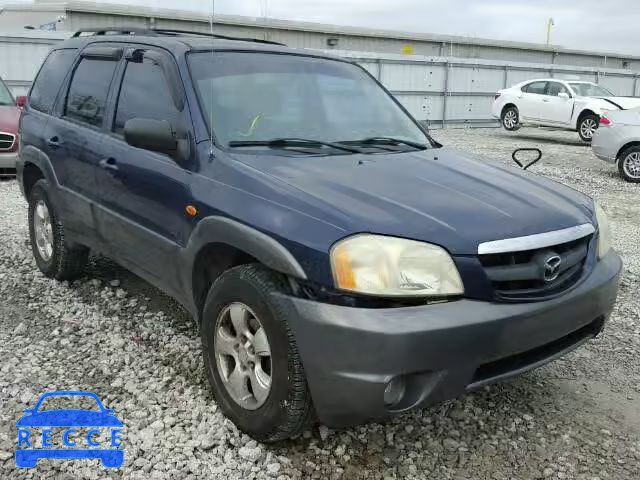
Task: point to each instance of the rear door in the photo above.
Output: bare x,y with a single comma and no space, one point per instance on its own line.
530,103
74,136
556,109
143,194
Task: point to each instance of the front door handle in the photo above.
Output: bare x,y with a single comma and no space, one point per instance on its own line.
109,164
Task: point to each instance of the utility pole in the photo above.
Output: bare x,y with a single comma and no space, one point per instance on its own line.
550,23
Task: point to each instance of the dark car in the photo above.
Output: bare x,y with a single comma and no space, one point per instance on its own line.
337,260
9,120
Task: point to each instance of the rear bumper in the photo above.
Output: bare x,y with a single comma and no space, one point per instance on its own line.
8,159
441,350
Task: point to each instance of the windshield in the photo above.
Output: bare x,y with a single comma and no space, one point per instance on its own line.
64,402
5,96
262,97
590,90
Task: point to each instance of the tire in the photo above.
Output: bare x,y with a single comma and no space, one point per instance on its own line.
63,260
510,119
587,125
287,408
629,164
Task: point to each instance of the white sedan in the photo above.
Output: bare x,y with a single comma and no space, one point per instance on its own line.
564,104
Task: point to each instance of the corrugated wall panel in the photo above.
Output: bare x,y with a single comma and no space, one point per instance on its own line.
469,108
622,86
423,107
517,76
475,79
413,77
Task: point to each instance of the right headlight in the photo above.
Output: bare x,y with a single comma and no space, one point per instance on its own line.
394,267
604,233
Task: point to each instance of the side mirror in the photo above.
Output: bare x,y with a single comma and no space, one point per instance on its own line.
21,101
154,135
564,95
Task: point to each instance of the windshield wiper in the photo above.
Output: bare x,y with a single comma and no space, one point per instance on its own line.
386,141
292,142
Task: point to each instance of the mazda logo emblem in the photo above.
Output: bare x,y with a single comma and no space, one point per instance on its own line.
552,268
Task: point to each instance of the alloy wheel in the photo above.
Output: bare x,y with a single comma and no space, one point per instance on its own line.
510,119
243,356
588,127
631,165
43,231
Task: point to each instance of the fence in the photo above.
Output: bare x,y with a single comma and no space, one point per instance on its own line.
443,91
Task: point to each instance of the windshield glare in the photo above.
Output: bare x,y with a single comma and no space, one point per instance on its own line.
590,90
261,97
5,96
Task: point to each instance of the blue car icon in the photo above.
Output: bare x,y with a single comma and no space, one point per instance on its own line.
69,418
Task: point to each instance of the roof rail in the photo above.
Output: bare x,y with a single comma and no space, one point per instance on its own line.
113,31
171,31
156,32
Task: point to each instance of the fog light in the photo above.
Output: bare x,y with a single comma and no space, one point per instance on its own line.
394,391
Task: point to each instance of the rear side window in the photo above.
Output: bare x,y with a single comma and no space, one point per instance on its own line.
87,98
50,78
538,88
145,93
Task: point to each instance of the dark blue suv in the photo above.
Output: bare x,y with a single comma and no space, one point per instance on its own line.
339,262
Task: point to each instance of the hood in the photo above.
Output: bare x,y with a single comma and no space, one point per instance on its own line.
436,196
69,418
624,117
625,103
9,119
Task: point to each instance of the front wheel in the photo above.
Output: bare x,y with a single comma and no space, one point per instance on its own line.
511,119
250,355
629,164
587,126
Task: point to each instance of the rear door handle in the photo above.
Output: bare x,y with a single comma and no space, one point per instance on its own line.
54,142
109,164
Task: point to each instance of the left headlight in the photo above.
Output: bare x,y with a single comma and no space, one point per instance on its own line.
604,233
394,267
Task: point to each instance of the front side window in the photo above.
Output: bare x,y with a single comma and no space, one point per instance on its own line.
145,94
538,88
262,97
590,90
555,88
87,97
52,74
5,95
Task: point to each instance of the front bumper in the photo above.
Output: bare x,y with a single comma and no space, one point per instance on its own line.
441,350
8,160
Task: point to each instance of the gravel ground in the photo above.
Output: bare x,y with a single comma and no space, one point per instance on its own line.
113,334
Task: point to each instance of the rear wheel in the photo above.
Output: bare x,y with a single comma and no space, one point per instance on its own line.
55,255
629,164
511,119
250,355
587,126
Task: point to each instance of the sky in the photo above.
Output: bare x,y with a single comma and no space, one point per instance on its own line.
583,25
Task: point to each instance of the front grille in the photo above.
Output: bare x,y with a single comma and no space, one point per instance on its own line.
522,275
6,141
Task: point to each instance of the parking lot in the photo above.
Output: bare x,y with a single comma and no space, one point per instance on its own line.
113,334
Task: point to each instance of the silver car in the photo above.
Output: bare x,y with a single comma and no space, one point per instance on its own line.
617,141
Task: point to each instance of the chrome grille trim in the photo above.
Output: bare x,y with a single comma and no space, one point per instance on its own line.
6,141
537,241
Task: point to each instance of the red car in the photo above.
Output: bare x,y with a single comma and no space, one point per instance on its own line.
9,119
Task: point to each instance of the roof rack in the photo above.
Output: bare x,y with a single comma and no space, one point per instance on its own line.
157,32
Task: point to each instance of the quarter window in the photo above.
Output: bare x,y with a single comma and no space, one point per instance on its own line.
538,88
52,74
87,98
145,94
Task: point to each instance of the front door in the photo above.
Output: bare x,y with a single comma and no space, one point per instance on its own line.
557,104
143,194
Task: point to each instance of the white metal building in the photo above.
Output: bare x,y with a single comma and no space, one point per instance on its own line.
72,16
